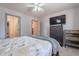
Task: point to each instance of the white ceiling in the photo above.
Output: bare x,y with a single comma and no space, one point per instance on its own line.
48,8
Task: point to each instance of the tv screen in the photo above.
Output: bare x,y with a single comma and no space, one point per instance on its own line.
58,20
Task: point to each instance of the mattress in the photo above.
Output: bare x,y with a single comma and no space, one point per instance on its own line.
26,46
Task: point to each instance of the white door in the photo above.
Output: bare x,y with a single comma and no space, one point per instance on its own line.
13,26
35,27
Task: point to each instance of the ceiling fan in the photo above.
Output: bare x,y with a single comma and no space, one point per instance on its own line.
36,6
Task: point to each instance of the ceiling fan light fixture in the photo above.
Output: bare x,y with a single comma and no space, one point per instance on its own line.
37,6
37,9
40,9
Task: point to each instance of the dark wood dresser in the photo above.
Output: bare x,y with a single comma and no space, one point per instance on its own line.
56,32
71,38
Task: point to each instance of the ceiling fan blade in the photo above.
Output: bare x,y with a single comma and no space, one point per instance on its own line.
41,4
30,5
36,3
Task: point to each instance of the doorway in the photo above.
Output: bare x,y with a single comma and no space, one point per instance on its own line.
35,27
12,26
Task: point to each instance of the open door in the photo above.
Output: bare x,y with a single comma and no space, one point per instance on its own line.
35,27
13,26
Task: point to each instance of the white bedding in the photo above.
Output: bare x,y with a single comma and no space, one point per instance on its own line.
25,46
55,44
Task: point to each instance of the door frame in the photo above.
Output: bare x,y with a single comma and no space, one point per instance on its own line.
31,26
6,14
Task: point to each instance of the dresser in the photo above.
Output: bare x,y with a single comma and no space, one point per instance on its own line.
71,38
56,32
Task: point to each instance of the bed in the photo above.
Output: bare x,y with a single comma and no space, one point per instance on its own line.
28,46
55,44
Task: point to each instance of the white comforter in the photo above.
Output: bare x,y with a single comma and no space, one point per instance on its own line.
25,46
55,44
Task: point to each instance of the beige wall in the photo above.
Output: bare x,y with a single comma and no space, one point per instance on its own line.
25,22
72,20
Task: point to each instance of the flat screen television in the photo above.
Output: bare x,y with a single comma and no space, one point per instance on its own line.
58,20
